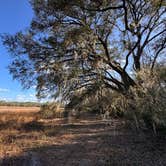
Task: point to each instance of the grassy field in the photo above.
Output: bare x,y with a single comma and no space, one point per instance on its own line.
27,140
18,109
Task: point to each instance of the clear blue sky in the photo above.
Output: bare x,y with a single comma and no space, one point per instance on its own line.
15,15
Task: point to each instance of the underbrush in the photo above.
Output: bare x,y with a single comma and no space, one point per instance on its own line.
51,111
144,105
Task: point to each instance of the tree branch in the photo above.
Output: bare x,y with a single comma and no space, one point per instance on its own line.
104,9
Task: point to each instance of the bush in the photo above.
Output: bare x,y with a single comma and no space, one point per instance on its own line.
145,104
52,110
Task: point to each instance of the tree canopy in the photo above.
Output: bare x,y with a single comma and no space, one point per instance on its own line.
81,46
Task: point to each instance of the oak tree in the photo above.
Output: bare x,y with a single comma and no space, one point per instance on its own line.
81,46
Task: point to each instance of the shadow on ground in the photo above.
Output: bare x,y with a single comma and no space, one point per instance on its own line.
90,143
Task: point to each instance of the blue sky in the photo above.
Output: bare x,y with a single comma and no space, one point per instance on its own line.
15,15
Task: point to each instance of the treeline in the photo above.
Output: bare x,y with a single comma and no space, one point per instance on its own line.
23,104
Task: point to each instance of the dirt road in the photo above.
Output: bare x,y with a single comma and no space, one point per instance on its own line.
88,142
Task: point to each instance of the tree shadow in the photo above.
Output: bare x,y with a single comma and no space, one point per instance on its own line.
92,144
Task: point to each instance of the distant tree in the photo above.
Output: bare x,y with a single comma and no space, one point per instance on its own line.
81,46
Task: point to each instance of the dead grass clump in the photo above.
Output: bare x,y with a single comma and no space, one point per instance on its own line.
51,111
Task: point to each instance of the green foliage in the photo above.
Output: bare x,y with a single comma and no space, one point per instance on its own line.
70,46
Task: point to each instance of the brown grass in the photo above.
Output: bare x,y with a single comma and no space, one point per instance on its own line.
13,116
18,109
69,142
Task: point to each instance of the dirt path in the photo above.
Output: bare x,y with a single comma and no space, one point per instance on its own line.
92,143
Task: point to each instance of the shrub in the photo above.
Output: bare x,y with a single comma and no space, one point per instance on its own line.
144,104
52,110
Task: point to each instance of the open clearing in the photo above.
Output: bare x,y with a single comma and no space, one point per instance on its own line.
18,109
89,141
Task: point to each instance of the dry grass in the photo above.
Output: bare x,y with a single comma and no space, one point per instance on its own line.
25,140
12,119
11,116
18,109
